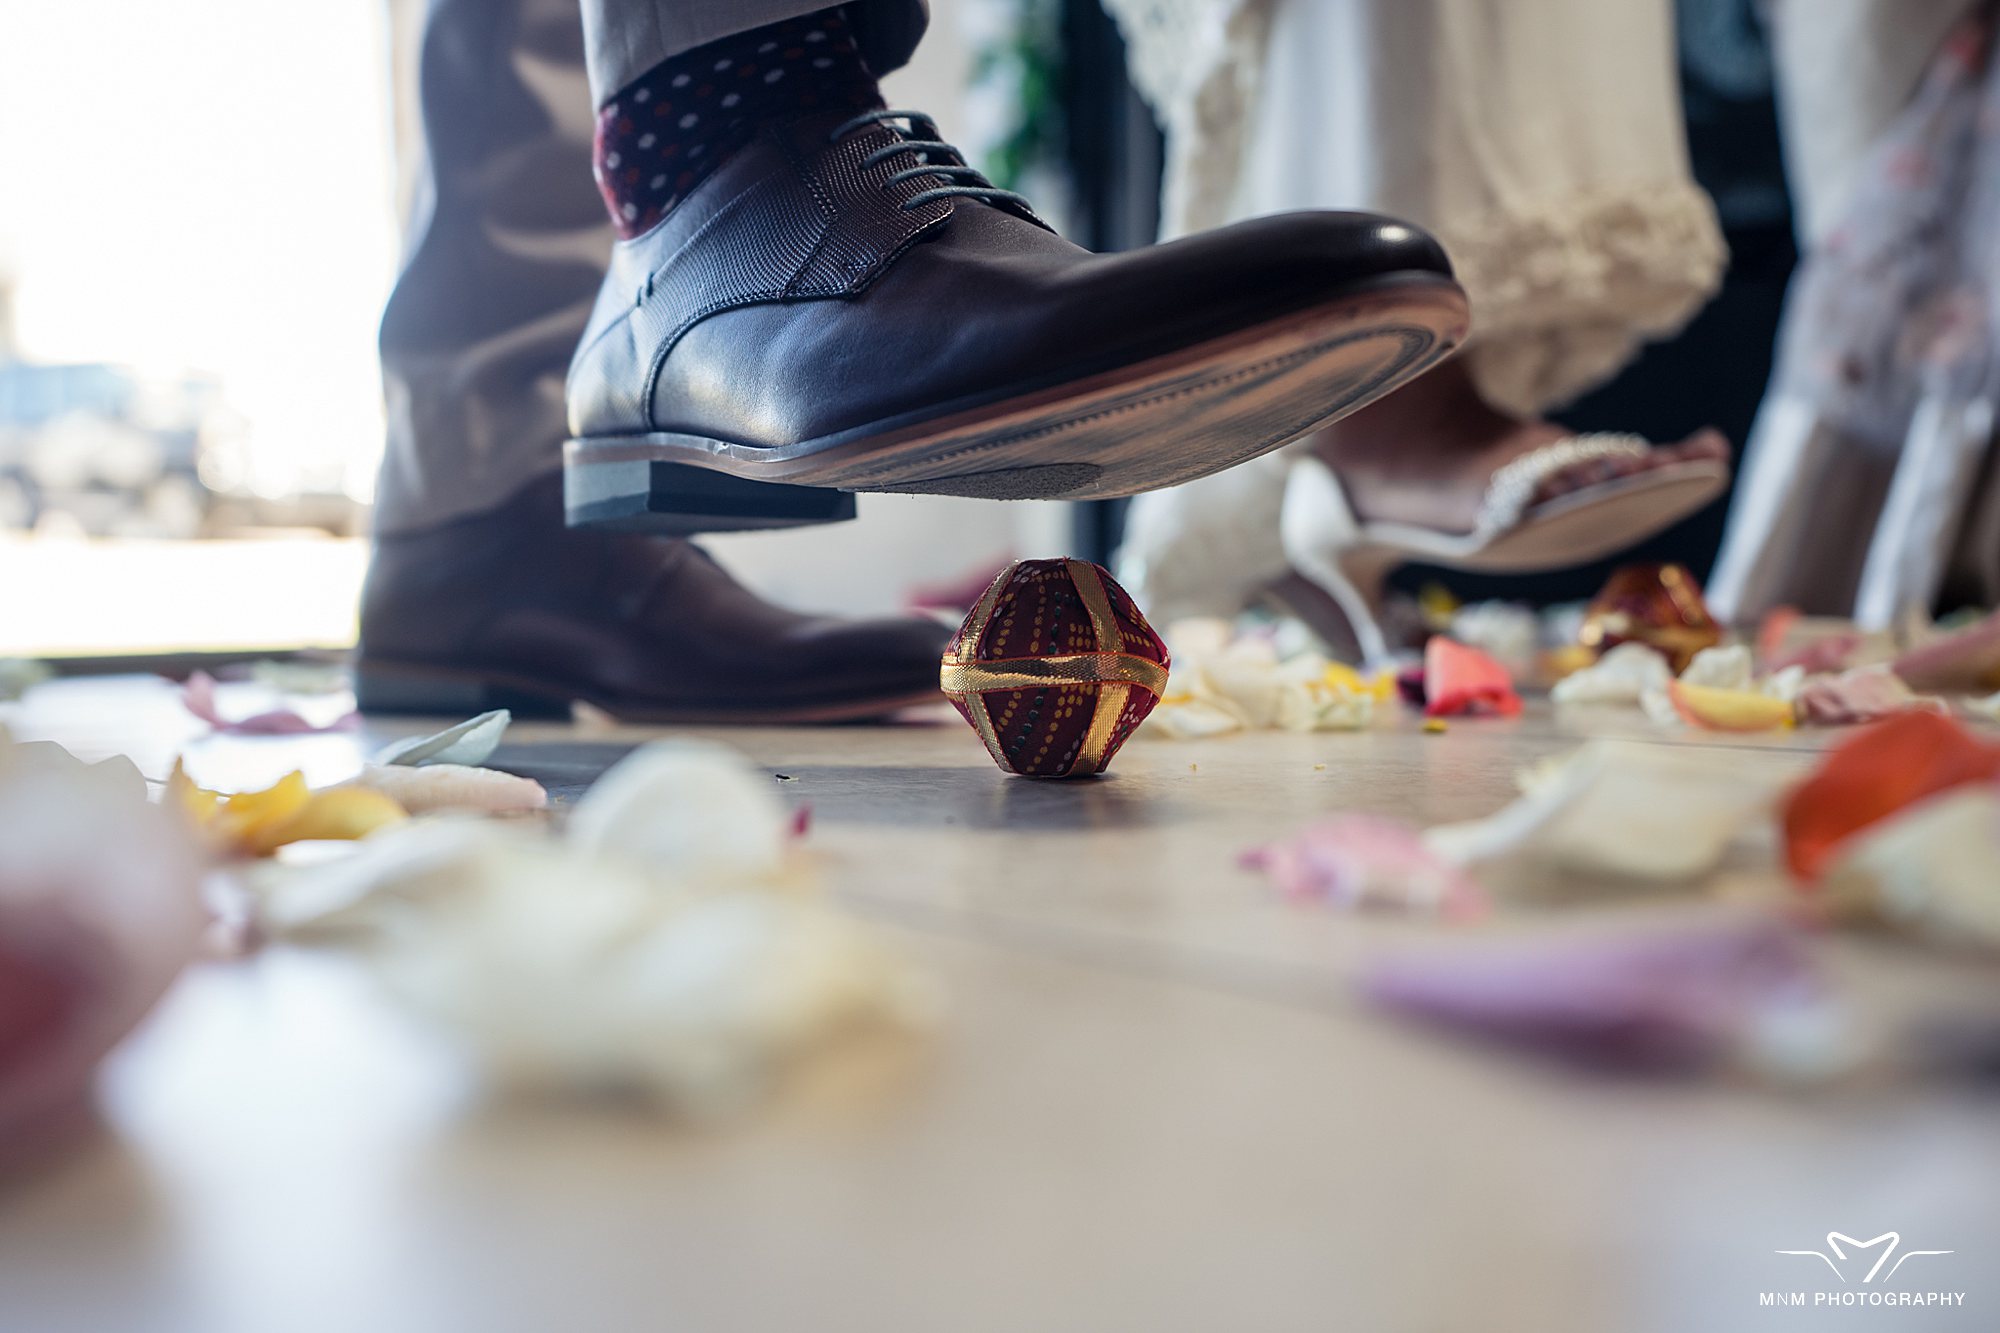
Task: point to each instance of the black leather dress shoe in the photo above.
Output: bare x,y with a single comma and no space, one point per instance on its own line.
511,610
844,304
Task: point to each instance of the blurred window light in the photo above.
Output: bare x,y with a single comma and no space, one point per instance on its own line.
197,233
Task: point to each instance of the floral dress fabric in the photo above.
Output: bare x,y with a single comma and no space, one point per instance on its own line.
1871,486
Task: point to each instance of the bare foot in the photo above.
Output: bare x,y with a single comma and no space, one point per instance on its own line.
1424,454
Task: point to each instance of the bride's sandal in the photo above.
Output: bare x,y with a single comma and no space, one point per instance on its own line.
1349,560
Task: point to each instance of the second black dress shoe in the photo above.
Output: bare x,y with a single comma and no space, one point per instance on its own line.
510,610
845,304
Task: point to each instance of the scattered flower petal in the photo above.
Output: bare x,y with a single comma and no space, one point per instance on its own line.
1621,676
1458,679
661,947
1323,705
1720,691
247,822
573,977
1872,775
469,744
1865,694
340,814
1186,718
1672,999
688,808
1932,869
1786,683
198,696
1367,861
258,823
1623,810
99,911
1223,682
435,787
1723,668
1728,710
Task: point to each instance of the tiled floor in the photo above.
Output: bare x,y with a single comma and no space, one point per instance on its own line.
1154,1106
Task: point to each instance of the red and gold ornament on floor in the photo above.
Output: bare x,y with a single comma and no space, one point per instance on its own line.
1658,605
1054,668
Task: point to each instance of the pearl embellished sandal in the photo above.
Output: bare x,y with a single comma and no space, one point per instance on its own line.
1342,563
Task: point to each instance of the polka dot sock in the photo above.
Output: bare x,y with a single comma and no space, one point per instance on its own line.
664,132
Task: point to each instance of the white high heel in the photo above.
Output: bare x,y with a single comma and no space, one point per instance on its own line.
1348,561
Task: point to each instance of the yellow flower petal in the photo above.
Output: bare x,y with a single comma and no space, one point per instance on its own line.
257,823
247,820
199,804
341,814
1729,710
1345,677
1381,686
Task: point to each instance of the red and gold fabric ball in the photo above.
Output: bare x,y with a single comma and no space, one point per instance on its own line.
1055,668
1658,605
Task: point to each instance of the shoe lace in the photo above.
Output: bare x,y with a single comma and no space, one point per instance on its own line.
935,158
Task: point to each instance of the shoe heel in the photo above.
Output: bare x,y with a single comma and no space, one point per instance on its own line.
391,689
1337,582
673,499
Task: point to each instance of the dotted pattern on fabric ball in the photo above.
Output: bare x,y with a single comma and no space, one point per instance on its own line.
663,134
1038,618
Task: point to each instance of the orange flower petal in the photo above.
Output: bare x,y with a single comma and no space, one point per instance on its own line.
1891,765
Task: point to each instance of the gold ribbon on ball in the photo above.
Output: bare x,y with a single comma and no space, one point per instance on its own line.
1116,672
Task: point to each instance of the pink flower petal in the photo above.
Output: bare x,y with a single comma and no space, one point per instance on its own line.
1866,694
1367,861
99,909
198,697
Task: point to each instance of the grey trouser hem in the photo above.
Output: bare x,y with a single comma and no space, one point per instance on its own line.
625,38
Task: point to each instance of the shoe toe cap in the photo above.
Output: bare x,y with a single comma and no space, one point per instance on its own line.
1300,255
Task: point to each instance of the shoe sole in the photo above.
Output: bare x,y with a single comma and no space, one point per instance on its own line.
413,688
1170,419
